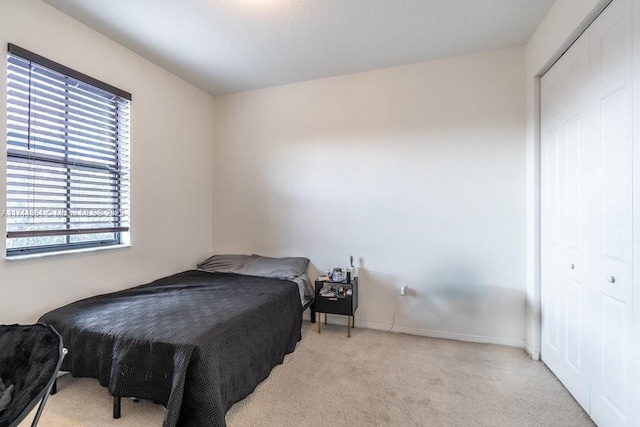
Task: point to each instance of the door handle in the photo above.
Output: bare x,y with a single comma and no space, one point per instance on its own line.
612,279
572,266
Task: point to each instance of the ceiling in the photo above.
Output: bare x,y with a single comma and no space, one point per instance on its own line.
225,46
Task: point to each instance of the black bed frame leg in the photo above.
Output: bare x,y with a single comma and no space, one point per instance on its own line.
116,407
312,309
54,387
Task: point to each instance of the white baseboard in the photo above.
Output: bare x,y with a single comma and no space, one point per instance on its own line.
341,320
535,355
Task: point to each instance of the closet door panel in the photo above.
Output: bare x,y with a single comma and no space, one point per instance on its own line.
576,118
552,149
612,273
564,133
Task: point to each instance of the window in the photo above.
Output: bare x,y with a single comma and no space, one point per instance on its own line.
67,158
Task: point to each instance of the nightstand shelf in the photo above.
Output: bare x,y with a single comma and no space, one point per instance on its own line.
341,303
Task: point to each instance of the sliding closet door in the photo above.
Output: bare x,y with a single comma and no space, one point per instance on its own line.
587,212
566,118
611,56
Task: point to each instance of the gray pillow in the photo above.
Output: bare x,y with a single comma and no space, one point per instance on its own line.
226,263
287,268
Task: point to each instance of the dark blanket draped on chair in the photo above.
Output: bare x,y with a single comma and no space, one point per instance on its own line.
30,356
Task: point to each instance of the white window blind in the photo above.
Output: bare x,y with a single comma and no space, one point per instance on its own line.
67,157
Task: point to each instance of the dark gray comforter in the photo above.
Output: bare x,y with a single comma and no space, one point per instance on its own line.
195,342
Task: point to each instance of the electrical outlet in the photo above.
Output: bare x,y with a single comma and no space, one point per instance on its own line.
403,290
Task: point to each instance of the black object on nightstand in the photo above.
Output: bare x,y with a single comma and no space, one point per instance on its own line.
344,301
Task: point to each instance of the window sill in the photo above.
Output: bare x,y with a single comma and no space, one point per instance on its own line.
73,251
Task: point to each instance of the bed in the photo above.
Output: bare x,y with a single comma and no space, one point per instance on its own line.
195,342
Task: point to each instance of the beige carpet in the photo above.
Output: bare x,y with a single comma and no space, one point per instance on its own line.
371,379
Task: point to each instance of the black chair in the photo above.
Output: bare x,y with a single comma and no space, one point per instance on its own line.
30,358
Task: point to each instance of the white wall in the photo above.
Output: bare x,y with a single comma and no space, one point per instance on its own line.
418,171
562,24
171,201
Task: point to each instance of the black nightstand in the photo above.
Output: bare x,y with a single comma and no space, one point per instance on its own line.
341,303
